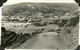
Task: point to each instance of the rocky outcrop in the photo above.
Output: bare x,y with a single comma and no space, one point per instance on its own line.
70,33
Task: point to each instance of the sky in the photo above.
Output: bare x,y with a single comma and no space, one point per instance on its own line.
9,2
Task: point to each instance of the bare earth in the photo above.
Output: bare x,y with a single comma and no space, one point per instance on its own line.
48,40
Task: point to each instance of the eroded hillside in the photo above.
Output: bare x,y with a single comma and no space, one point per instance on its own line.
70,33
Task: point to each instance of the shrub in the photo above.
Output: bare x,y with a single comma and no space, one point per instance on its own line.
60,24
51,22
73,21
40,24
3,29
37,31
27,34
51,30
42,29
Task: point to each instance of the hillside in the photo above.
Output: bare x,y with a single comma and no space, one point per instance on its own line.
70,33
28,9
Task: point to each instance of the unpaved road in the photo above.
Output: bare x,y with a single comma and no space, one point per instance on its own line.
48,40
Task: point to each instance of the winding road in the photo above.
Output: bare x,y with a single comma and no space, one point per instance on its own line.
48,40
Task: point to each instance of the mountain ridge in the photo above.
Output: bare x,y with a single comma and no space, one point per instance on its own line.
32,8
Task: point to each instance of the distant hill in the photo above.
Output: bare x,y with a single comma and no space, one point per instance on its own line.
28,9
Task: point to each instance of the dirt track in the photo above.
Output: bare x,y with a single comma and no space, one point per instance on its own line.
43,41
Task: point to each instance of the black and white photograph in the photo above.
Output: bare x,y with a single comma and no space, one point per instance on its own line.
40,25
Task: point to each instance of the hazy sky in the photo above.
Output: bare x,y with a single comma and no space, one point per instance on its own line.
53,1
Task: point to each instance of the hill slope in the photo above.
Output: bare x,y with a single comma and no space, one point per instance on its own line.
70,33
32,8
